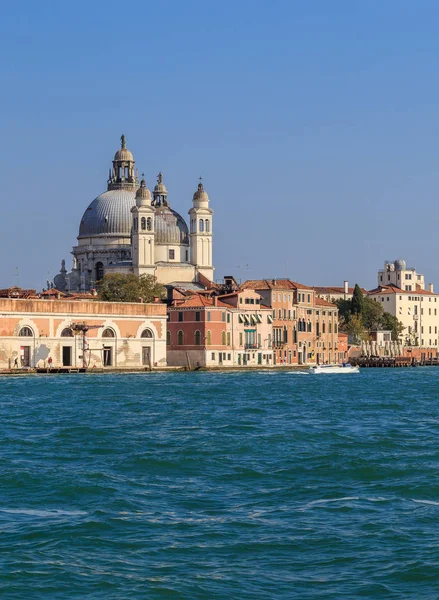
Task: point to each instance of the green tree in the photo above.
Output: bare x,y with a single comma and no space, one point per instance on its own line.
344,312
357,301
355,328
117,287
371,314
390,323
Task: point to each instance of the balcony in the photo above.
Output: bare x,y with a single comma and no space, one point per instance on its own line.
252,346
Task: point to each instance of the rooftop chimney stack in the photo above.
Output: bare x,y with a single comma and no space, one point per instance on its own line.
430,288
346,289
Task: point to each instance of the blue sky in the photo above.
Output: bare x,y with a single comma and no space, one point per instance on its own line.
314,125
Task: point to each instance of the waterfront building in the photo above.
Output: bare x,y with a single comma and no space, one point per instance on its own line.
227,330
37,332
418,311
128,229
305,327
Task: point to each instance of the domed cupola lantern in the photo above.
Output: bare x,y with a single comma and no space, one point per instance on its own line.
160,192
122,176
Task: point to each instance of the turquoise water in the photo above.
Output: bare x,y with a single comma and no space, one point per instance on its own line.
209,485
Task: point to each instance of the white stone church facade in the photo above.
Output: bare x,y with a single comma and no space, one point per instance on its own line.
129,230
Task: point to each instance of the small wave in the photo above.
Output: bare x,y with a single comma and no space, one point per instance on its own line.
327,500
432,502
43,513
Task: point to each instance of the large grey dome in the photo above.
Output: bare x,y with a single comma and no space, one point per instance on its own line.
109,214
170,227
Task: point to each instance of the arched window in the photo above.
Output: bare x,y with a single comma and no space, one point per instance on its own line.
26,332
143,223
198,338
209,338
108,333
146,333
201,225
67,332
309,326
180,338
99,270
224,338
207,225
330,327
323,327
149,224
168,338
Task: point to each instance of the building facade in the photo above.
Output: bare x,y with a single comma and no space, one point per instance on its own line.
128,229
81,333
305,327
230,331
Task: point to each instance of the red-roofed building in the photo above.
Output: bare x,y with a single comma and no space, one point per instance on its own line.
234,329
305,327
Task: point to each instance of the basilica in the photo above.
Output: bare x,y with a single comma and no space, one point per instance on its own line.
128,229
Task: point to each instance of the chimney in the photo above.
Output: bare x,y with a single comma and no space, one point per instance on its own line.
346,287
430,288
215,300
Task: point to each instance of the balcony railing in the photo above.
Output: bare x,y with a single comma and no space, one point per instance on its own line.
252,346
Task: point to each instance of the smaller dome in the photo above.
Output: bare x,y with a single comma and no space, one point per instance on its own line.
201,195
143,195
160,187
400,264
124,155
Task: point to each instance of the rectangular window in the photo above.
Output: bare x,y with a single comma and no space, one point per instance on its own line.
240,339
197,315
171,254
309,298
228,338
228,317
180,316
208,316
229,357
279,297
213,355
223,317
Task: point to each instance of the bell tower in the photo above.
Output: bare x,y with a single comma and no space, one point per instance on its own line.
143,232
123,176
201,233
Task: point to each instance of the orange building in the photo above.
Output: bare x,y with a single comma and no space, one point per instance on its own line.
305,327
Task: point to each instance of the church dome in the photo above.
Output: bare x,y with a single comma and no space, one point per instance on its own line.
170,227
124,155
109,214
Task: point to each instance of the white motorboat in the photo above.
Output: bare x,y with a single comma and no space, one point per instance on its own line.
344,368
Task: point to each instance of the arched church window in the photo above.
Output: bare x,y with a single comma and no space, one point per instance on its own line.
149,224
143,224
201,225
198,338
207,225
180,338
108,333
99,268
67,332
146,333
26,332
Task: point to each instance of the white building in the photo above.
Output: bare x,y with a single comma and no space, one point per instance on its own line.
129,230
397,273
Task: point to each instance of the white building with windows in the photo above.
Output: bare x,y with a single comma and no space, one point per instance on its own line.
398,274
401,291
128,229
